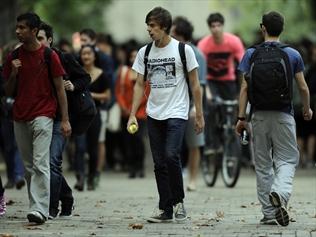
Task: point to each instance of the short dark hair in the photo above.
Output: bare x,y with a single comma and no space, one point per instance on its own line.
215,17
48,31
89,32
31,19
105,39
183,27
161,16
273,22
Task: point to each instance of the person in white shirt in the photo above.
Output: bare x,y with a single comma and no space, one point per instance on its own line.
167,109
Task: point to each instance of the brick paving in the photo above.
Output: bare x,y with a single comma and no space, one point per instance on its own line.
118,208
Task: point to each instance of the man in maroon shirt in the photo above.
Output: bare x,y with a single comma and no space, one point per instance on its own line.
27,76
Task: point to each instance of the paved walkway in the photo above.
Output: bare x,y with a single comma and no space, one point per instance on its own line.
119,206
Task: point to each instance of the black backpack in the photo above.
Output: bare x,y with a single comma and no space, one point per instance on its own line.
270,78
181,48
81,106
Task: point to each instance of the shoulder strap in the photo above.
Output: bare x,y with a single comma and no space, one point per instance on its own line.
148,47
181,48
183,58
15,53
47,56
282,46
47,59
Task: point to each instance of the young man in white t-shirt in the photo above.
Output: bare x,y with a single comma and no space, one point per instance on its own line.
167,110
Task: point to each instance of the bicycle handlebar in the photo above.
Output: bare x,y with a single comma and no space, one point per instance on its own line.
219,101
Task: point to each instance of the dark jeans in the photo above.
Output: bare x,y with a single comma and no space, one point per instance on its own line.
134,147
166,138
88,142
59,188
1,187
14,163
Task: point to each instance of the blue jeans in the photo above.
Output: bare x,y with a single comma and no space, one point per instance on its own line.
166,138
14,164
59,188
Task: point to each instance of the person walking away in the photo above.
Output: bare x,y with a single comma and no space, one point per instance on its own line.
268,70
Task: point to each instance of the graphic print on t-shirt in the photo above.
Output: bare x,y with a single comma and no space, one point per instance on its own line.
217,64
162,73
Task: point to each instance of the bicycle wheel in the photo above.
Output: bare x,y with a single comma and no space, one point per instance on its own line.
231,162
210,167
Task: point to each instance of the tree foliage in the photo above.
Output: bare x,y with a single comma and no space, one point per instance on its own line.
67,16
299,17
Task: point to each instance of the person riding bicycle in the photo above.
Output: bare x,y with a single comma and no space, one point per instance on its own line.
222,50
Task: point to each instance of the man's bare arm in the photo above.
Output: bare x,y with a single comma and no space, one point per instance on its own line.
304,91
137,97
63,105
197,97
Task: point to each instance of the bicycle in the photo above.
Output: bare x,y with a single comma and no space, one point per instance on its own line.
227,153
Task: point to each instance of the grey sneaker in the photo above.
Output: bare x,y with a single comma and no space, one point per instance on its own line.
268,221
281,214
159,216
37,217
180,213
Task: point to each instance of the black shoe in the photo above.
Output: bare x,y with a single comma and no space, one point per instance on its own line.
91,183
67,207
132,175
20,184
141,174
9,184
80,183
53,213
281,214
160,216
36,217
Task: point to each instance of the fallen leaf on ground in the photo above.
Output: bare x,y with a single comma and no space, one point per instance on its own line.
34,228
136,226
243,206
220,214
6,235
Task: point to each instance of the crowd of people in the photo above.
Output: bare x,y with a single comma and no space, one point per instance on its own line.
166,89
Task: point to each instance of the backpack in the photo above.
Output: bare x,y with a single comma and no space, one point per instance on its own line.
181,48
270,78
81,106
